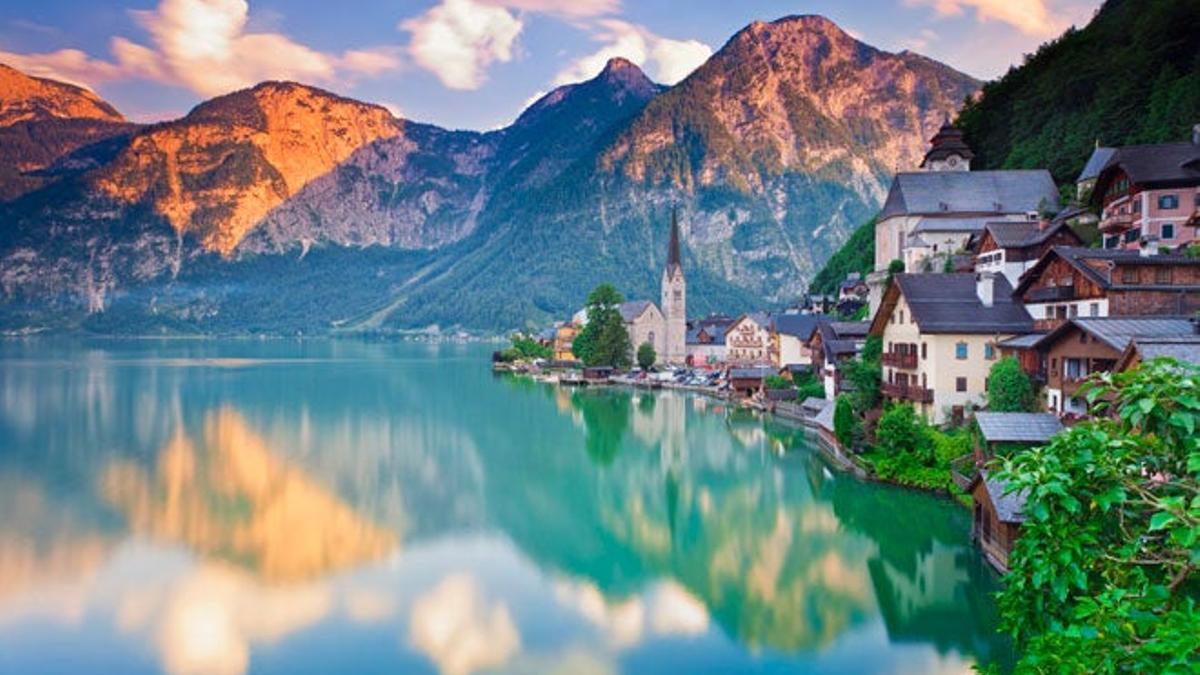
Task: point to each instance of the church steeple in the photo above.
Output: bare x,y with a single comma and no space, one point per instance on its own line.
948,151
673,257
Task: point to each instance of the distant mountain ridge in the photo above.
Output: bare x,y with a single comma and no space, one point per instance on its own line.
224,220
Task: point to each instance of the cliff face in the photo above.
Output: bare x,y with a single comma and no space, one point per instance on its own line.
222,220
50,129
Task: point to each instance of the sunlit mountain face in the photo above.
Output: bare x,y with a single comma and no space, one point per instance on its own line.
237,507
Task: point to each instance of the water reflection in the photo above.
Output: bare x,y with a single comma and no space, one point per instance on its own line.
239,507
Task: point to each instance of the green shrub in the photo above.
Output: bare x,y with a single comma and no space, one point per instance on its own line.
776,382
902,432
846,425
646,356
1008,387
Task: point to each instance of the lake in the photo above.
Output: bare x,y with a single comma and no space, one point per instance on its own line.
251,506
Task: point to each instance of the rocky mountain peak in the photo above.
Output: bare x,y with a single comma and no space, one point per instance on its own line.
26,98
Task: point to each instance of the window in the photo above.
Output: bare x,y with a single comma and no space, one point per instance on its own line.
1083,338
1073,368
1094,309
1129,275
1162,275
1133,235
901,316
1113,241
1073,311
1137,205
924,351
1197,200
989,351
1168,231
960,351
960,384
1168,202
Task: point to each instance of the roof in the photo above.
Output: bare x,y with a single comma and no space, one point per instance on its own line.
753,373
798,325
716,337
934,223
969,192
846,329
949,303
1117,331
1024,234
1095,163
1182,348
1022,341
948,141
632,309
763,319
1077,257
824,419
814,403
1017,427
841,338
1009,507
673,257
1156,165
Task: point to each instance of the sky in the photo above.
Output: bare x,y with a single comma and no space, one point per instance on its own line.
466,64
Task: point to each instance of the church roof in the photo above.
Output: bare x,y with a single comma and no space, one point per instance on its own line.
954,194
674,259
948,141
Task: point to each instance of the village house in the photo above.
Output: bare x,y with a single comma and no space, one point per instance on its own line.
790,336
1083,346
748,340
564,341
1085,183
830,345
932,214
706,340
1011,248
940,333
997,514
1150,194
853,287
1069,281
1182,348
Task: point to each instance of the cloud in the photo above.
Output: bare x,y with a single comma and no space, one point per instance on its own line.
668,60
205,46
567,8
458,39
1032,17
921,41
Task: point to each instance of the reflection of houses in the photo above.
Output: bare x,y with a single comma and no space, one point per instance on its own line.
748,340
939,338
1150,193
1083,346
1068,282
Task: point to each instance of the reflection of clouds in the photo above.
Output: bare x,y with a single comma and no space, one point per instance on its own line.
207,621
454,626
666,609
369,606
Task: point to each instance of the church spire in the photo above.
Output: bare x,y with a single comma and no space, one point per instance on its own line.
673,258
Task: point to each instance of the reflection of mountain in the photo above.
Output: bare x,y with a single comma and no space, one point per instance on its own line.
231,497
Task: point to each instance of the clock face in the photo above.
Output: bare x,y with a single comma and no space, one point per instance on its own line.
953,161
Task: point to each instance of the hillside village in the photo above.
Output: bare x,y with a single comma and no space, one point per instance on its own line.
972,269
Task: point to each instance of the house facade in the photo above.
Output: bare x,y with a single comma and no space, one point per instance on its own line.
1011,248
1084,346
790,336
831,344
1150,194
644,323
1070,282
748,340
940,334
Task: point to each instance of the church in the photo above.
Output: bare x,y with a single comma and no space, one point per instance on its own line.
665,328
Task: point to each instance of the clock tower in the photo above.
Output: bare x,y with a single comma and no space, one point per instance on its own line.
674,301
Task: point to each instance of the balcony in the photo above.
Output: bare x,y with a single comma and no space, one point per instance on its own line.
1117,222
907,392
899,360
1051,293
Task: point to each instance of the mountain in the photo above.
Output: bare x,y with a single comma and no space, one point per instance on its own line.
1132,75
284,208
43,122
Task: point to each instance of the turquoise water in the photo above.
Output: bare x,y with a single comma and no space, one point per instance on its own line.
282,507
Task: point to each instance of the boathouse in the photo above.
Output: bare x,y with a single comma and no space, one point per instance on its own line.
997,518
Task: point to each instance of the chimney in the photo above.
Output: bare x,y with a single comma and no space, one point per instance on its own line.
1149,246
1043,222
985,287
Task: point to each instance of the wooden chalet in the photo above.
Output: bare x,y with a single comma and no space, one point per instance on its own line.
997,518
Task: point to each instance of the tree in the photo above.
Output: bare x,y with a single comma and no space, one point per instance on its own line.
807,385
864,375
901,432
777,382
1008,387
603,340
1104,576
845,423
646,356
